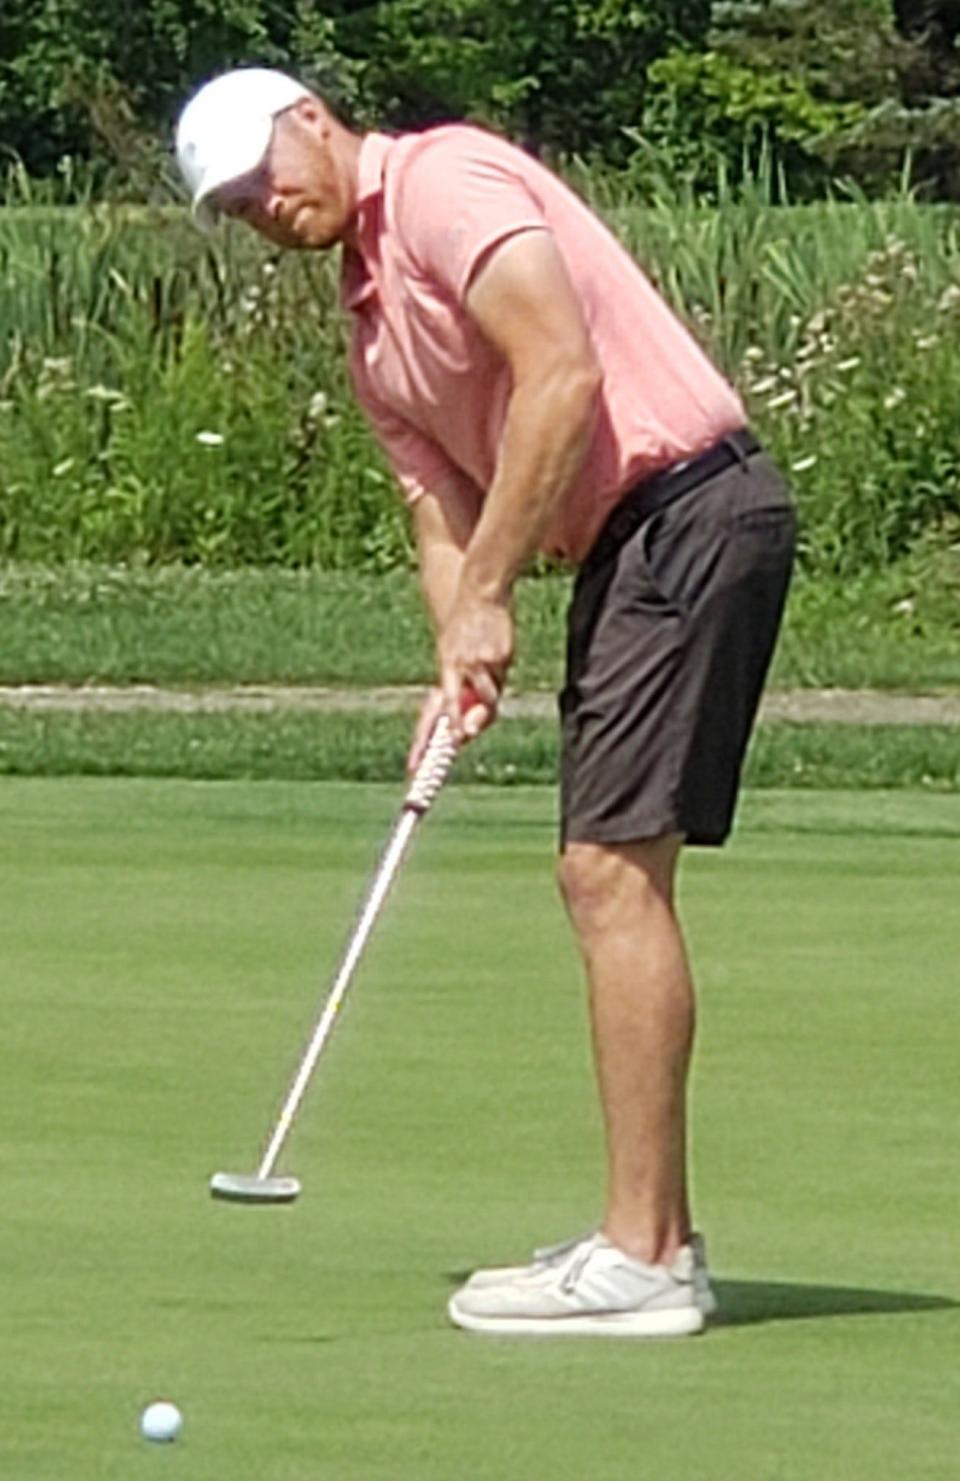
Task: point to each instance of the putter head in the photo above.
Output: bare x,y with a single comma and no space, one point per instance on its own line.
236,1187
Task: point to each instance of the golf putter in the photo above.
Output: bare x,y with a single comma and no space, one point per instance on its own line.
264,1186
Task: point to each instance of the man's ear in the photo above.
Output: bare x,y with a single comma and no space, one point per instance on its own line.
310,111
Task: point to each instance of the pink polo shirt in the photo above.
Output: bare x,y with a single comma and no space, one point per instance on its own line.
431,206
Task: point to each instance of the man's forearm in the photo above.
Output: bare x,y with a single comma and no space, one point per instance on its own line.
546,436
440,569
444,521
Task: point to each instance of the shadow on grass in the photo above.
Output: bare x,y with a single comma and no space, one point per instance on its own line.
745,1303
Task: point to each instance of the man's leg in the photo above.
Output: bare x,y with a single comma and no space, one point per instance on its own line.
632,1278
621,902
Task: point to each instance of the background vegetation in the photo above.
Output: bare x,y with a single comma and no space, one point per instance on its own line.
170,398
835,87
169,403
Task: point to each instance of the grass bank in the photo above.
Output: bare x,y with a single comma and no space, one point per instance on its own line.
898,628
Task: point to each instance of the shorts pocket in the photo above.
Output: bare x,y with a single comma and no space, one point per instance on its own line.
676,550
768,535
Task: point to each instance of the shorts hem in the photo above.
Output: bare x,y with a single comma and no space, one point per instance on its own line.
633,829
622,832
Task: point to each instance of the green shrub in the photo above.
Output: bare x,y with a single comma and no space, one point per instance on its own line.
169,397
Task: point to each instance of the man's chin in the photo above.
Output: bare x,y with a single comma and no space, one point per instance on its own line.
305,242
317,241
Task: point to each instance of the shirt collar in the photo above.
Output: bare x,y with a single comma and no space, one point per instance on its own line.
358,283
374,149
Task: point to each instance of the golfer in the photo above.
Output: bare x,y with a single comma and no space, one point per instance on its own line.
533,392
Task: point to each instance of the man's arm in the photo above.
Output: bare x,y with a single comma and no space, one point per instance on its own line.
525,305
444,520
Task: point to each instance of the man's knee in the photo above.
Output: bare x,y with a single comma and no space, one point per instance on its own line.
599,881
583,874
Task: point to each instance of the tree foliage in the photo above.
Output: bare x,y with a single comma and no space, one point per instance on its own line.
828,86
565,76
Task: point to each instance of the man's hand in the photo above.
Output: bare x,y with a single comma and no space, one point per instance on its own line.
475,717
475,650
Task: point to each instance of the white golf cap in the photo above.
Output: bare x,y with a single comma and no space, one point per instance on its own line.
225,129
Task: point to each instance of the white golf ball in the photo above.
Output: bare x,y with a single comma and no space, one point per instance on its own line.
161,1422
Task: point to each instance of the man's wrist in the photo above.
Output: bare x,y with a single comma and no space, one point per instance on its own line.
485,583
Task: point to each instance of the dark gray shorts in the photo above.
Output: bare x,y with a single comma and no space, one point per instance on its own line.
670,632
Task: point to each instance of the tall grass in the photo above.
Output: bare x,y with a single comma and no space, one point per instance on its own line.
838,322
166,397
169,397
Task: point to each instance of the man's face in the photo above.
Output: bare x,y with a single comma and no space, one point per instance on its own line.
301,197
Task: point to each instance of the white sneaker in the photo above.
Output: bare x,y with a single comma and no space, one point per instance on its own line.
553,1254
594,1289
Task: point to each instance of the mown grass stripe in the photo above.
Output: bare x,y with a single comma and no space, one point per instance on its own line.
372,747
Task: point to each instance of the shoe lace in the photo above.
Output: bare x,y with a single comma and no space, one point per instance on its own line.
579,1258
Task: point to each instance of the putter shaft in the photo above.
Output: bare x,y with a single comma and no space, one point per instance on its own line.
389,863
430,775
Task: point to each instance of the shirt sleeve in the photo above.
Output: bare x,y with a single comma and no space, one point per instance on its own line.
418,464
459,200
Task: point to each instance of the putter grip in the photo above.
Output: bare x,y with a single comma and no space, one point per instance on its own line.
434,765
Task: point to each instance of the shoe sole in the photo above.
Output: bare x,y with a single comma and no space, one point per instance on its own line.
703,1295
685,1321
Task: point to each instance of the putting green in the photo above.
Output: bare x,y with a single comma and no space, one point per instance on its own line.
165,946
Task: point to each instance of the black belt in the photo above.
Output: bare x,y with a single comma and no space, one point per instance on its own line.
655,493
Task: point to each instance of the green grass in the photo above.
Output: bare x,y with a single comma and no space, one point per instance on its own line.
358,746
175,625
164,947
192,628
